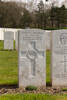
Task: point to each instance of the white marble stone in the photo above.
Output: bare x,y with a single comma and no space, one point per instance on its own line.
16,40
8,40
59,58
32,58
48,39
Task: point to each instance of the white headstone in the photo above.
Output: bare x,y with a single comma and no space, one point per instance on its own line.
48,39
59,58
8,40
32,58
16,40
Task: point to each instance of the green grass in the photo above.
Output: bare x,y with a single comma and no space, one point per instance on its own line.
48,57
1,45
64,89
31,88
8,66
33,97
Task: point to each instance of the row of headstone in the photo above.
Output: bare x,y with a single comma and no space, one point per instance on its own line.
32,58
32,55
9,38
31,45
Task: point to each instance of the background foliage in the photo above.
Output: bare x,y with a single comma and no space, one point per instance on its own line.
17,16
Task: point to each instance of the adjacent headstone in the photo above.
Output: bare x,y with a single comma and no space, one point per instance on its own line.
8,40
48,39
32,58
16,40
59,58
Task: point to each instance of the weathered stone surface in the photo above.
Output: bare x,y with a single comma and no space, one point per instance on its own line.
48,39
59,58
32,58
16,40
8,40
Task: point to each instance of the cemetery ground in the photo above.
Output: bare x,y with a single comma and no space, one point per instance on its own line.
9,80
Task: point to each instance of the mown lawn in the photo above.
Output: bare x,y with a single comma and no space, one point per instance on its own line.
33,97
48,74
8,66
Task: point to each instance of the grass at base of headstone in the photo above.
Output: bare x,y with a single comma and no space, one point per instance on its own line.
33,97
8,67
1,44
48,76
64,89
14,44
31,88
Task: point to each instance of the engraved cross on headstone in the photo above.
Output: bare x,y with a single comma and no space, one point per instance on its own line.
32,56
65,63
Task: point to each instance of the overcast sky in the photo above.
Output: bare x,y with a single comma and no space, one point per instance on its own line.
30,0
60,1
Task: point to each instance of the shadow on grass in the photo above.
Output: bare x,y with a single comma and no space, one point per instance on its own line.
7,50
48,84
13,86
